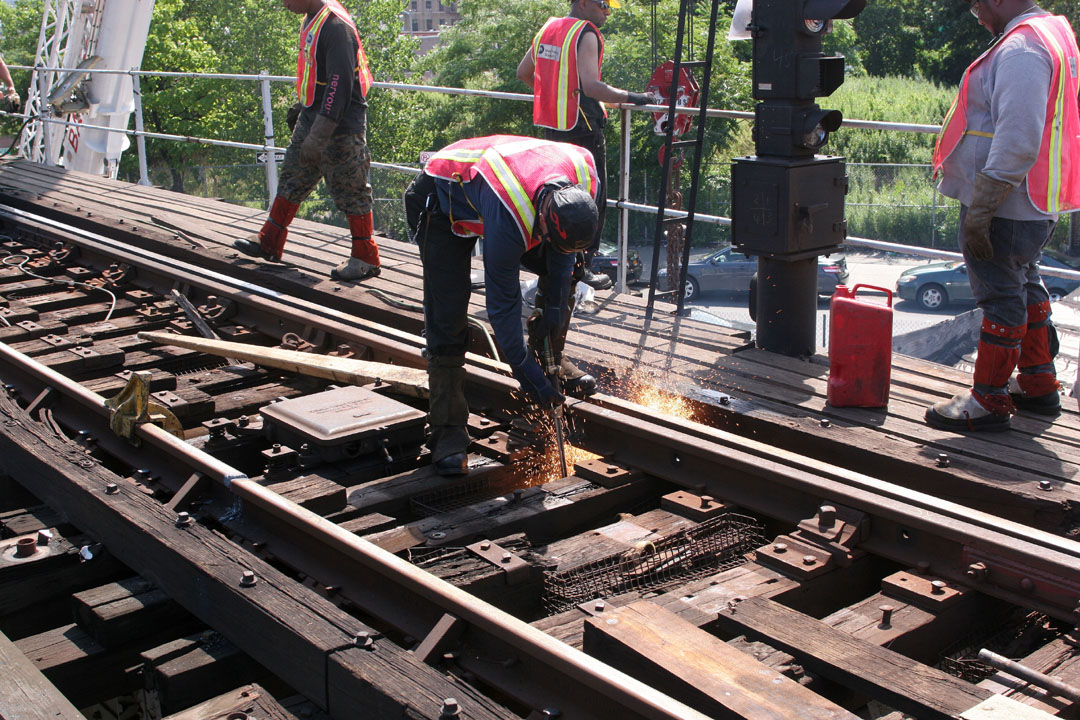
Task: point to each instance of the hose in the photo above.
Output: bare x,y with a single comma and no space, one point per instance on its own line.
416,307
70,283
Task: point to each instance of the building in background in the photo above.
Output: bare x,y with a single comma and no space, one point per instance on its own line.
425,19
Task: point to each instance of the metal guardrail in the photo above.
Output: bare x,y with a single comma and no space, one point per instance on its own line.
622,204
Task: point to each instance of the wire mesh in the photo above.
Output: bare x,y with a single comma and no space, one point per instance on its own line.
714,545
461,494
1008,638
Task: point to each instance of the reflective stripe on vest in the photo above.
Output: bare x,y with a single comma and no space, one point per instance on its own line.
1054,180
306,70
515,168
556,83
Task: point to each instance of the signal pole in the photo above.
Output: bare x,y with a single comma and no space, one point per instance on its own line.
787,201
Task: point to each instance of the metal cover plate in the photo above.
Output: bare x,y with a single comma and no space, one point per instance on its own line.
342,415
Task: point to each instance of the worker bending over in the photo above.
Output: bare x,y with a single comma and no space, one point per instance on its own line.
329,140
534,204
562,66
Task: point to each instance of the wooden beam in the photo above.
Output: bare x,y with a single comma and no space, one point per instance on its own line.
25,694
886,676
677,658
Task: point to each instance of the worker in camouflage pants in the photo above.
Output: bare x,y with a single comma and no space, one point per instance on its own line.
329,139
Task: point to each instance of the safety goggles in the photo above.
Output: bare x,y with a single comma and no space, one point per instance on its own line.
608,4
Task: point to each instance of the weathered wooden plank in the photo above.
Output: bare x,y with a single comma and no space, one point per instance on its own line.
25,694
697,668
82,669
209,666
884,675
546,511
116,613
51,572
317,494
247,701
1060,660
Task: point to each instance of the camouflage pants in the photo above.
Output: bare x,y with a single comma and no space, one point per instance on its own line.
345,166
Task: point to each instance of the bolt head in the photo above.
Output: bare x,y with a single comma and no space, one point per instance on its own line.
1046,485
507,557
600,606
943,460
825,422
938,586
248,579
485,545
809,560
779,547
111,489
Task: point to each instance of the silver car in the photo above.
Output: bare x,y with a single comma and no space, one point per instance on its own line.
728,270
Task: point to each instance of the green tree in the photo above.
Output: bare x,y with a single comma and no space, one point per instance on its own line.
483,51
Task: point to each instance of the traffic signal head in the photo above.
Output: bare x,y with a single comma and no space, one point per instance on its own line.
792,129
788,61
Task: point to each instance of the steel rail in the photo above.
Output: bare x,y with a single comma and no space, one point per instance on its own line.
628,696
685,452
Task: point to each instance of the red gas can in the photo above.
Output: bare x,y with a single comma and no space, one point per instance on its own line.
860,349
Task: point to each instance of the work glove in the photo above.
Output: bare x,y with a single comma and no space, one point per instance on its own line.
318,137
986,198
12,101
293,115
638,98
536,384
543,325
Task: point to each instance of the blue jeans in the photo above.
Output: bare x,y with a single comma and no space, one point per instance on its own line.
1006,284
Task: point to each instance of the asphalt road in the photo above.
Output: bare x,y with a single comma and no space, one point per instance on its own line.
880,271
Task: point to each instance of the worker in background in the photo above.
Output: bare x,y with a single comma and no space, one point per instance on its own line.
329,140
534,203
563,69
12,101
1009,151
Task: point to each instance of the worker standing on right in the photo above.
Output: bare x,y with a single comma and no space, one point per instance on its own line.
1009,151
562,66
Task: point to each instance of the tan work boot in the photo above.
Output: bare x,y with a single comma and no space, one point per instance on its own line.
354,269
963,411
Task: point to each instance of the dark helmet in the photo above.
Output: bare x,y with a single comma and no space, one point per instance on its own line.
571,217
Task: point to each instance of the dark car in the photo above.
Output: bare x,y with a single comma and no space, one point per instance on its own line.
934,286
606,261
728,270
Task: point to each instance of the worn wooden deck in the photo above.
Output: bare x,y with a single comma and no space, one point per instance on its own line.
770,398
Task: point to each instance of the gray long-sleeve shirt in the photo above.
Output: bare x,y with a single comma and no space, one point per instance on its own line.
1007,96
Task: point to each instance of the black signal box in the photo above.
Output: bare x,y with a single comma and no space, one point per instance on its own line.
788,206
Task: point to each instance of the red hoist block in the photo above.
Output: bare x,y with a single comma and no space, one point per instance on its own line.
860,349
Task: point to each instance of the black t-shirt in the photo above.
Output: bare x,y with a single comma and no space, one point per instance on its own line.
337,89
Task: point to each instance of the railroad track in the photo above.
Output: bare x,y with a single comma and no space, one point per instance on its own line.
260,542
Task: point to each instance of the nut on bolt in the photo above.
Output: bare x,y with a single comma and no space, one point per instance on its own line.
364,640
943,460
450,709
248,579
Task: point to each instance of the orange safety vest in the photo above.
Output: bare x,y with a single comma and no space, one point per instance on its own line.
1054,181
555,72
515,168
309,40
